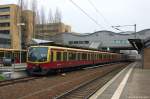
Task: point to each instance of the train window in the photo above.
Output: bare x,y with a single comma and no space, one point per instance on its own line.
88,56
64,56
74,56
95,57
106,56
92,56
58,56
100,56
103,56
52,55
71,56
78,57
109,56
1,54
84,56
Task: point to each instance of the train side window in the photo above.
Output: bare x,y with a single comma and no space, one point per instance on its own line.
52,56
70,56
95,57
64,56
103,56
92,56
74,56
78,57
58,56
84,56
89,56
100,56
1,54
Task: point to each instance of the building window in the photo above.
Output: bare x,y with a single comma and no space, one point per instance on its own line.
5,9
86,42
120,42
4,31
4,24
78,42
75,42
70,42
4,16
4,41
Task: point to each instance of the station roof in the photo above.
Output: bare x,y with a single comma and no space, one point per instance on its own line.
40,42
138,44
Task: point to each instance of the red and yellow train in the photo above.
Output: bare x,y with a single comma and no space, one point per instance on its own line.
44,59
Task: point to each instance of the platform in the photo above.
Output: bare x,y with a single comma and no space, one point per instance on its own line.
133,82
13,67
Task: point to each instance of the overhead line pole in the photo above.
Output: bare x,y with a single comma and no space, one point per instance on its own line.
125,26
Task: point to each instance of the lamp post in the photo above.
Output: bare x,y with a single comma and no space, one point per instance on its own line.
116,27
20,37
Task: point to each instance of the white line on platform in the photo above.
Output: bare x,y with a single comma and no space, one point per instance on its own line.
99,92
119,90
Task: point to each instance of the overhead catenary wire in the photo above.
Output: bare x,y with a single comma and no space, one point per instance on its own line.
91,18
99,12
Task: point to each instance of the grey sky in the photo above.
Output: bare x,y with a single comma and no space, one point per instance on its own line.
116,12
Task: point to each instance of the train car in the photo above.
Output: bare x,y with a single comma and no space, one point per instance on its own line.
44,59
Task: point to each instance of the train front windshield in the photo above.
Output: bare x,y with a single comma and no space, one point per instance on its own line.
37,54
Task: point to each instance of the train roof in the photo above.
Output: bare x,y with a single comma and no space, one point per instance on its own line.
77,49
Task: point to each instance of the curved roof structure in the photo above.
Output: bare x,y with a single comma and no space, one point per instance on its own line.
101,39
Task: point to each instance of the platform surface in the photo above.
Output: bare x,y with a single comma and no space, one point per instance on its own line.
131,83
13,67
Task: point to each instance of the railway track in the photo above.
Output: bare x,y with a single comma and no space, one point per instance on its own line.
18,80
59,86
85,90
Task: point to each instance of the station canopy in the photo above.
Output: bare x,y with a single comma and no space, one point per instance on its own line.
40,42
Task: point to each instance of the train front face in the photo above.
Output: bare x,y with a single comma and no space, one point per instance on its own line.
37,58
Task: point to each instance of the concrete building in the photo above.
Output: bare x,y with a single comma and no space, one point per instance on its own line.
50,29
101,39
9,33
10,26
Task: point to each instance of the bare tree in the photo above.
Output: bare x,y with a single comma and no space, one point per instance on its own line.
34,9
42,20
58,16
37,34
50,16
23,4
21,20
